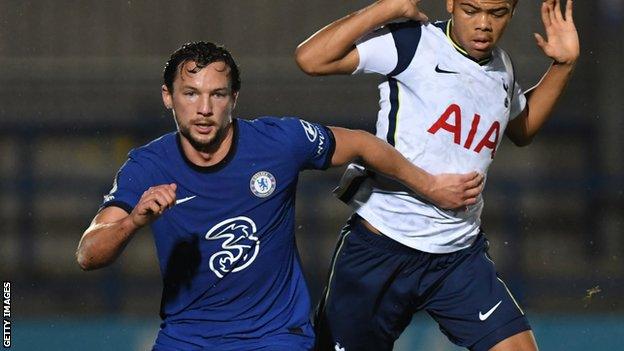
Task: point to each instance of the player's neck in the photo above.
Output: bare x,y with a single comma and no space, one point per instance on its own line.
211,155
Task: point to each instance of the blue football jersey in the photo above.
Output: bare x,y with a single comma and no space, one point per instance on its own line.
232,279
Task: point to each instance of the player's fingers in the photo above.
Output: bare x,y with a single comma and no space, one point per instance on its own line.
168,195
472,193
471,201
557,10
545,14
474,182
540,40
469,176
173,187
551,13
161,199
154,207
569,11
165,192
142,209
170,188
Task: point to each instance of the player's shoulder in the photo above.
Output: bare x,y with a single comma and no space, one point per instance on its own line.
295,132
155,149
409,38
275,127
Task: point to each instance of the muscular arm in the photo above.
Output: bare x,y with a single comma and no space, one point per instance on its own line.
332,50
445,190
562,45
112,228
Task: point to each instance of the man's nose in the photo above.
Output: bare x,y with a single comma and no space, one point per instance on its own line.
205,106
484,22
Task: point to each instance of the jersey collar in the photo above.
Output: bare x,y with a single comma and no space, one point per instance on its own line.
446,27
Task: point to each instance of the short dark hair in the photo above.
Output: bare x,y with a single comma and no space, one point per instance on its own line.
202,53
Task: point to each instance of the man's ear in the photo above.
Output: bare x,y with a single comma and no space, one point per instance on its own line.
449,6
235,98
166,96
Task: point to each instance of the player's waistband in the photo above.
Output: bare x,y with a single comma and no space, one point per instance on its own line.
383,242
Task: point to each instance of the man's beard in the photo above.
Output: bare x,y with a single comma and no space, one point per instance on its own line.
203,146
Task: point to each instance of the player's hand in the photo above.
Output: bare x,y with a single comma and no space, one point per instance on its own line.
153,203
408,9
562,41
455,191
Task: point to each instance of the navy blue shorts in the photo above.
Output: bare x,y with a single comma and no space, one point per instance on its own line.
376,285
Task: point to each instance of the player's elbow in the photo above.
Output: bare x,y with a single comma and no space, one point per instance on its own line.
86,260
307,61
83,261
519,138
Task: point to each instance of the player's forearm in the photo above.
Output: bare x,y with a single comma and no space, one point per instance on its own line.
542,100
383,158
317,54
102,243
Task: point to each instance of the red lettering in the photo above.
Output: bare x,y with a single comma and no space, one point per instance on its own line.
441,123
473,130
486,142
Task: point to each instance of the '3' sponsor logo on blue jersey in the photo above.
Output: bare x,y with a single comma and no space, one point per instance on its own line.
240,245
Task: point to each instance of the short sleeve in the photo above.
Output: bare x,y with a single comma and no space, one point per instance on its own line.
518,102
377,52
312,144
390,49
128,186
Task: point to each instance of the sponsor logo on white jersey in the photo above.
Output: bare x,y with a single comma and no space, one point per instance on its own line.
454,126
240,245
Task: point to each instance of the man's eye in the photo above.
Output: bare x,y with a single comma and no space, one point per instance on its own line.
500,13
190,93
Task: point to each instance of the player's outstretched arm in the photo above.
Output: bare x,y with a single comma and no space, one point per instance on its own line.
562,46
112,228
331,50
448,191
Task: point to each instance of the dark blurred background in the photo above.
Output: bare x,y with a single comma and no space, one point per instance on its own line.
80,86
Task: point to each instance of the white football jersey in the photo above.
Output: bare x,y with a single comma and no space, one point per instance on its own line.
444,112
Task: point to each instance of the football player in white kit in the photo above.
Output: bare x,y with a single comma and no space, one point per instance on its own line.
449,96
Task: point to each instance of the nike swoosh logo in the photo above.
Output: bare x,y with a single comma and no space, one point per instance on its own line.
185,199
485,316
440,70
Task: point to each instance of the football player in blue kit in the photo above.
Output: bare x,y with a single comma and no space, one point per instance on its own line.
219,194
449,95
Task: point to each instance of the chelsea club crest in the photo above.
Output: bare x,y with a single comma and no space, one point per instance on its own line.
262,184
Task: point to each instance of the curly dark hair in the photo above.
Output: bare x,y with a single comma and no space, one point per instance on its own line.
202,53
